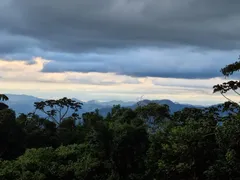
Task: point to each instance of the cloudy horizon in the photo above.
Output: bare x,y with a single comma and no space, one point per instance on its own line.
118,49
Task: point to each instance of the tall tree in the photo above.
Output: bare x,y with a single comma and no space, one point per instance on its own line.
3,97
58,110
232,85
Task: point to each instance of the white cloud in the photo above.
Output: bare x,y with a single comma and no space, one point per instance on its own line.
18,77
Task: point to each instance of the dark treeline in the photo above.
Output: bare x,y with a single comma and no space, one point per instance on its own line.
147,143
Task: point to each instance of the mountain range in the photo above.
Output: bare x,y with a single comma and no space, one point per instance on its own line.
25,104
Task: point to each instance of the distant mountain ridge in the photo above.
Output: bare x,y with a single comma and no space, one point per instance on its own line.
25,104
174,107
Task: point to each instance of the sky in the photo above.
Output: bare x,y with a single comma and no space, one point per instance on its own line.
118,49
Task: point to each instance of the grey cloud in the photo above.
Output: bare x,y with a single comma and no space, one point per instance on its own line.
95,81
79,25
138,71
101,36
196,86
170,63
11,44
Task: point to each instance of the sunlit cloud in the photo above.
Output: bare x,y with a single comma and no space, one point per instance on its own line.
19,77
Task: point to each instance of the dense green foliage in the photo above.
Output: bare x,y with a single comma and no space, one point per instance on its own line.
147,143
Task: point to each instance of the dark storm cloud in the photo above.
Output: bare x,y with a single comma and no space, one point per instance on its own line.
10,44
168,63
64,31
135,70
78,25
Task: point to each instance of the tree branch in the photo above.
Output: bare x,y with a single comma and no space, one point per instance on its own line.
236,92
228,98
61,118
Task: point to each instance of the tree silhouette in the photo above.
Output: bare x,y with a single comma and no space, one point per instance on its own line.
57,110
232,85
3,97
